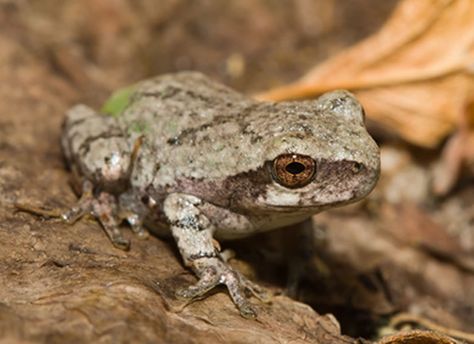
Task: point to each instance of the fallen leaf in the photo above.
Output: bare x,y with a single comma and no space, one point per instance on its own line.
417,337
414,77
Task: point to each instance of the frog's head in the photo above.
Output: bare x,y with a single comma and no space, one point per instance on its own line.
317,154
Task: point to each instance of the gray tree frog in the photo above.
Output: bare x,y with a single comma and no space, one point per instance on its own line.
193,158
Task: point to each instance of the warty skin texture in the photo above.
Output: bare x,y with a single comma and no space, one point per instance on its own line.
194,158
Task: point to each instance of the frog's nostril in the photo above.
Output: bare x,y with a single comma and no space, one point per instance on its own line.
294,168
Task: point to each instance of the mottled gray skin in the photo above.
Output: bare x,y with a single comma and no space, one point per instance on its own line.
192,157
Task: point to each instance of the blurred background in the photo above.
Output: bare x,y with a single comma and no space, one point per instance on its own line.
250,45
404,256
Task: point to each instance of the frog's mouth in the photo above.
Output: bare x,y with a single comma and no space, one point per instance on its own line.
314,208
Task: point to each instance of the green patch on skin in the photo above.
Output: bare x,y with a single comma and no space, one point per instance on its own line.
118,101
138,127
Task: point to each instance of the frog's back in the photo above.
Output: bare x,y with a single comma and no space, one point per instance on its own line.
167,105
186,121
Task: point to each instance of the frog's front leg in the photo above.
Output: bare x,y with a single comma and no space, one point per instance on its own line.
103,206
193,233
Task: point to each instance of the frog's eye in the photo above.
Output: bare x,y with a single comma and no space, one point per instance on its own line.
293,170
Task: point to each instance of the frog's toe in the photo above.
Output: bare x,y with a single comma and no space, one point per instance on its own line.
236,288
40,211
207,281
113,232
83,206
136,223
247,311
121,243
104,209
256,290
76,212
140,231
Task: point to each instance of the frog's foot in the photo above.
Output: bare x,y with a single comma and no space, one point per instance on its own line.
81,208
256,290
102,207
40,211
213,272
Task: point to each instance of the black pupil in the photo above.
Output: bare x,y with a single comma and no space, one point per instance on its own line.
295,168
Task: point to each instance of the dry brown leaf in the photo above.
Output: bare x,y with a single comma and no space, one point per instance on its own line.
417,337
414,77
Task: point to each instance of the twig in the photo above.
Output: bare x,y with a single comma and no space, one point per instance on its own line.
400,318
